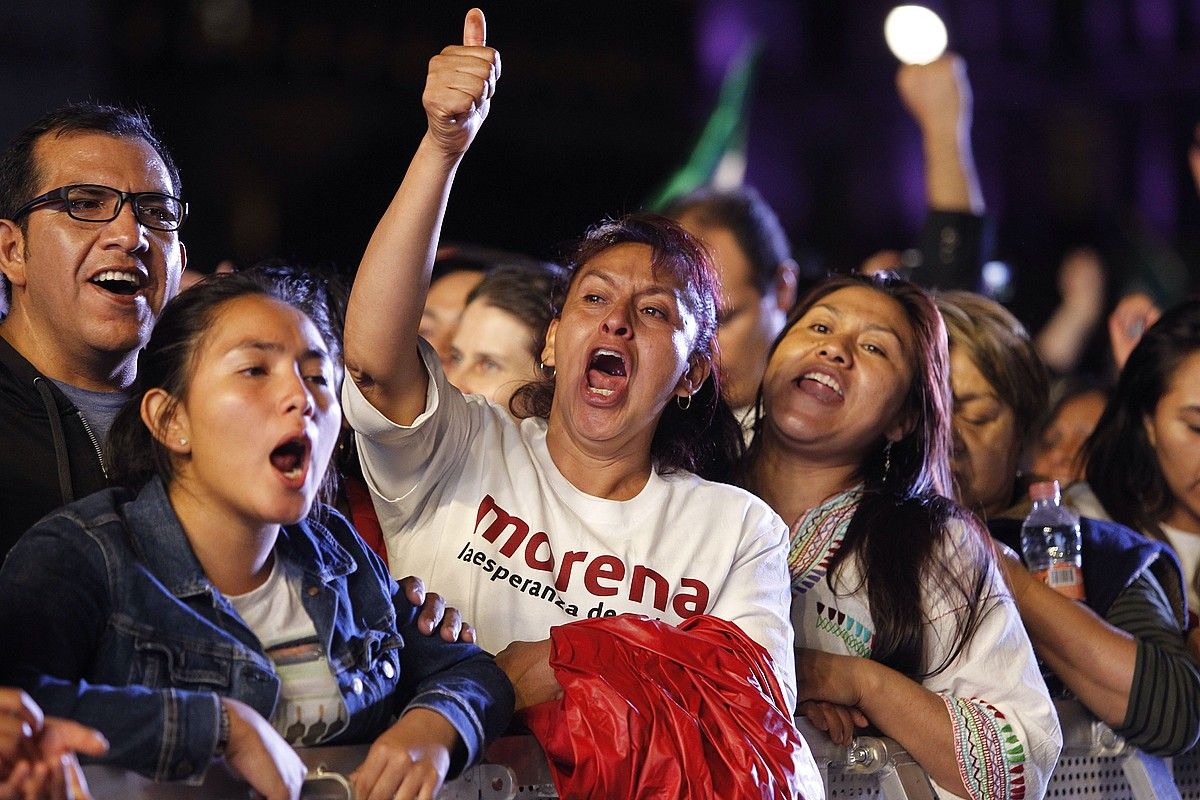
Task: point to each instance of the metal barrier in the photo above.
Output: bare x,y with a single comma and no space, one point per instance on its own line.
871,767
514,768
1096,764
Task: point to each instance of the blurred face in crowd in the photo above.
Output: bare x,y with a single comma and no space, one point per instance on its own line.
838,380
492,353
750,320
1174,432
444,308
987,444
87,291
1059,448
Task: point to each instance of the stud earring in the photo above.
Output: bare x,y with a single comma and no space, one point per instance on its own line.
183,441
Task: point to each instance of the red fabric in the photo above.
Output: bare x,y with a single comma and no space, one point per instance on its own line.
650,710
362,514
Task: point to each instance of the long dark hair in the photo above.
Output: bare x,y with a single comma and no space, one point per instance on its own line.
1122,466
705,437
898,532
169,360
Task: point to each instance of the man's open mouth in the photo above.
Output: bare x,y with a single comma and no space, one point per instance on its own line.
119,281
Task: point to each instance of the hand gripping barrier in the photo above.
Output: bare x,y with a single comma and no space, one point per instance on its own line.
872,766
514,768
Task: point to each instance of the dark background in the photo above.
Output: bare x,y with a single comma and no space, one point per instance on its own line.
292,122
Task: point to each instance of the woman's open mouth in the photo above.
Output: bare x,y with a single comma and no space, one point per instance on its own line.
821,378
291,458
606,372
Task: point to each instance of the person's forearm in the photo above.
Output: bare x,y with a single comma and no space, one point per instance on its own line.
1061,340
1094,659
165,734
456,680
917,719
951,183
385,305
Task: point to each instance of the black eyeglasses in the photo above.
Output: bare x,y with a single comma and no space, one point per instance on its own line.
90,202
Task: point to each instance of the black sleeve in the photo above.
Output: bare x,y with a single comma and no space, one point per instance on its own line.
952,250
457,680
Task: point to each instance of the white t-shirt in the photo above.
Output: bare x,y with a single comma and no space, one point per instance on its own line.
472,502
310,708
1006,732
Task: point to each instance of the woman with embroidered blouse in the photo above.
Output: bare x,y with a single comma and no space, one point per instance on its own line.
903,622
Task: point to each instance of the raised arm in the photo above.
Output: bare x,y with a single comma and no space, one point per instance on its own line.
954,240
389,291
1063,338
938,96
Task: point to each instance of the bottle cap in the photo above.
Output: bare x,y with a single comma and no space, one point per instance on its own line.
1045,490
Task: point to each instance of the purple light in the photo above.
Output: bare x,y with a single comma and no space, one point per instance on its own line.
1155,22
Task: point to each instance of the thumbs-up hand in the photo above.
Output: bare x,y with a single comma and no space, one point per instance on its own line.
459,89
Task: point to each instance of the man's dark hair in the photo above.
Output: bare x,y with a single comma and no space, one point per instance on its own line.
747,216
19,176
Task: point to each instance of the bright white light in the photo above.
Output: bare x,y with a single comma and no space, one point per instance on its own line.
996,277
914,34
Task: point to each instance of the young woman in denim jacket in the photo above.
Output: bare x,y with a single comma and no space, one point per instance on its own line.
134,610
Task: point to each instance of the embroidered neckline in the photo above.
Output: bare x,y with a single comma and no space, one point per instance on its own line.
817,536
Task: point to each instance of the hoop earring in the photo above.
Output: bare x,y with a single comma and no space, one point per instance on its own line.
887,460
542,366
683,406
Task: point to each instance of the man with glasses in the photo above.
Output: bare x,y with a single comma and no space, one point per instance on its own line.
89,253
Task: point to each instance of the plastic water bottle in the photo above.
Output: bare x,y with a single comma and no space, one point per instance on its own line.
1052,543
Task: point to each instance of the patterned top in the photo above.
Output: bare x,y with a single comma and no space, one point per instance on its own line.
817,536
1006,744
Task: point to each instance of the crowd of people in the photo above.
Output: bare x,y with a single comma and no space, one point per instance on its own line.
210,492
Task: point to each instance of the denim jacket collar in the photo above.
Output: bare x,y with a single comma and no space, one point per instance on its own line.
310,545
163,547
161,543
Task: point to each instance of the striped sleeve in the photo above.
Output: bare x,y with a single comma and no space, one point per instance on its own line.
1163,717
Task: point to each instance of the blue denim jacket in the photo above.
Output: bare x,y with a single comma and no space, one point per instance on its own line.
106,617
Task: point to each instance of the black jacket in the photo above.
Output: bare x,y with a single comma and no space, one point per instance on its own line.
1114,556
48,455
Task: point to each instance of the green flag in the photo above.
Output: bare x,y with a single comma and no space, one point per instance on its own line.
719,156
